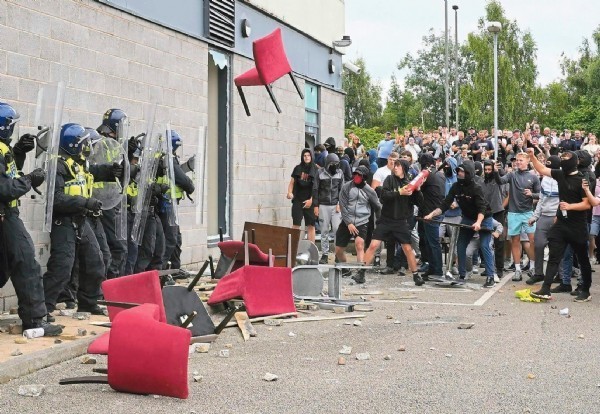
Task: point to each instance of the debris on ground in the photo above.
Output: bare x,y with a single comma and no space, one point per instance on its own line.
346,350
357,323
32,390
224,353
88,360
387,358
273,322
564,312
467,325
402,348
530,376
21,341
81,332
270,377
197,378
202,348
16,352
341,361
363,356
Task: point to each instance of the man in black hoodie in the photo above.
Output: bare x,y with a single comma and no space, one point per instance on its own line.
300,192
476,213
398,209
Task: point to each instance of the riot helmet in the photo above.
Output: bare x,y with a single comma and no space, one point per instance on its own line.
72,138
111,122
8,118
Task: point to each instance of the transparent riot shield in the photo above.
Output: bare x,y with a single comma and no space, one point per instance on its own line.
48,117
199,174
172,207
148,165
107,151
122,134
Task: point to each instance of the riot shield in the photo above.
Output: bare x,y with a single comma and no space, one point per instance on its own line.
122,138
200,173
107,151
172,207
148,164
48,117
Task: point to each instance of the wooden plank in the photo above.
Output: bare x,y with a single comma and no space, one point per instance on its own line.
262,318
203,339
241,318
323,318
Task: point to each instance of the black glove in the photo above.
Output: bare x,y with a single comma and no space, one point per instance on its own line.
160,170
132,145
25,144
159,189
37,177
93,204
117,170
154,200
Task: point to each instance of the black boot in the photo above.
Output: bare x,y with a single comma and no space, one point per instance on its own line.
359,277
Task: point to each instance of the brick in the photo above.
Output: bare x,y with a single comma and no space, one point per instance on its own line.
29,44
17,65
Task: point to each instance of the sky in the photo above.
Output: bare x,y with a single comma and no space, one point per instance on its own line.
383,31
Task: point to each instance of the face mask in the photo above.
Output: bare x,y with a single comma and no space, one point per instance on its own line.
568,166
488,175
448,172
357,179
332,168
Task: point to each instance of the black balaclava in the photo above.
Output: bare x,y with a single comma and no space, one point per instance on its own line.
332,163
469,172
585,159
426,160
553,162
569,165
350,153
490,176
478,168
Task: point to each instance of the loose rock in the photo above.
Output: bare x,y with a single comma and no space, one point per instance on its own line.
363,356
270,377
58,341
61,306
66,312
15,329
273,322
397,322
530,376
413,307
81,315
357,323
581,336
21,341
202,348
346,350
224,353
88,360
389,317
198,378
16,352
448,355
341,361
93,333
33,390
81,332
229,346
387,357
291,334
468,325
402,348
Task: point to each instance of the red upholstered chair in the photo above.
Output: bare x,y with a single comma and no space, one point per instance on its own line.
138,340
265,290
271,64
234,248
137,288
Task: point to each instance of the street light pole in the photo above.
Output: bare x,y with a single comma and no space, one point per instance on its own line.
455,8
446,67
494,28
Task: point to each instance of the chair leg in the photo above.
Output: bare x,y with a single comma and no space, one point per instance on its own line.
95,379
239,88
296,85
270,90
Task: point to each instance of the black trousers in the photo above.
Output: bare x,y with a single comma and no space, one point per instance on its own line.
70,292
66,244
151,250
132,246
499,244
560,235
172,236
118,248
21,266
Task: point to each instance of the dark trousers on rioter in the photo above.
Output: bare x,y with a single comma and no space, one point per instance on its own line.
19,264
560,235
464,237
71,238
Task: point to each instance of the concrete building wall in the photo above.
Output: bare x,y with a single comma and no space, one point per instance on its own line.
109,58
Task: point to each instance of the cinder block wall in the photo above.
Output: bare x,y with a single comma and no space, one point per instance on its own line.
107,59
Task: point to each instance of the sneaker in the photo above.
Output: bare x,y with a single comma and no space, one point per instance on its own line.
496,279
510,267
576,291
475,270
324,259
50,318
543,293
49,329
489,282
450,278
424,267
557,279
460,281
517,277
526,267
535,279
377,262
402,271
435,278
583,296
418,279
346,272
454,270
388,271
359,277
562,288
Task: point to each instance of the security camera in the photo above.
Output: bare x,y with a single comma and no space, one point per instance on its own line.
352,68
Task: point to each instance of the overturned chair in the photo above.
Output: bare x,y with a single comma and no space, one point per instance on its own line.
138,340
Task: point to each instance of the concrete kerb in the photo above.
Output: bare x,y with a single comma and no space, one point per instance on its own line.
26,364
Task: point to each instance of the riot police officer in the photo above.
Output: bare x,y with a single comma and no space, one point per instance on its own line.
71,233
17,253
183,184
111,122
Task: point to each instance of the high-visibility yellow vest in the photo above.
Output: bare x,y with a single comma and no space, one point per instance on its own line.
11,168
82,182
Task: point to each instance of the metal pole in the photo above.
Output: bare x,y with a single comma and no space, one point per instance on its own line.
496,95
456,59
446,68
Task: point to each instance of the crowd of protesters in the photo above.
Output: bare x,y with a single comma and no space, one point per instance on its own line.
532,191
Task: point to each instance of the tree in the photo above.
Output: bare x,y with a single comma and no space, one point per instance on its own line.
517,72
363,98
402,109
426,78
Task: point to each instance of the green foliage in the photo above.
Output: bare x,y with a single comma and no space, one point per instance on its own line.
369,137
363,97
402,109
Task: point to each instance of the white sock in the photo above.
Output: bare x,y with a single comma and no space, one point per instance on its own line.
518,267
532,264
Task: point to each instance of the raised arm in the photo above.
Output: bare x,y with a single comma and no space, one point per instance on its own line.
539,167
